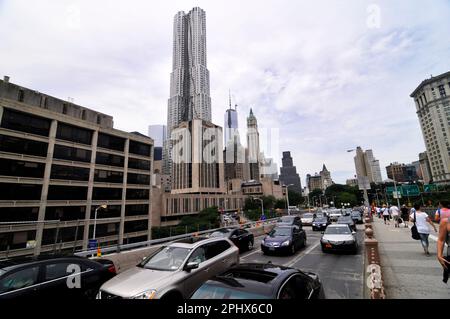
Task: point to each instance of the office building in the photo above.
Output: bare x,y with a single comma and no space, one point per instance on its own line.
432,100
425,168
367,166
288,173
402,173
59,162
314,182
253,151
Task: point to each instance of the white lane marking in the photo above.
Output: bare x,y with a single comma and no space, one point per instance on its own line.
251,253
303,254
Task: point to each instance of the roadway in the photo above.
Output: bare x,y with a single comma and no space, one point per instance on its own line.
342,275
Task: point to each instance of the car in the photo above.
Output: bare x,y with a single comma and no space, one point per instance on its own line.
339,237
334,215
321,214
307,219
320,223
262,281
47,276
284,239
357,217
174,271
290,220
242,238
347,220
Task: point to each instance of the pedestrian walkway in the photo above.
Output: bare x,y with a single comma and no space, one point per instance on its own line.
407,272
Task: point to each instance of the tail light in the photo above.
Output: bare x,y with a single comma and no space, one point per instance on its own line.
112,269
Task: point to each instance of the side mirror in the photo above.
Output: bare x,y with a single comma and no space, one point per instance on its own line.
191,265
233,237
353,232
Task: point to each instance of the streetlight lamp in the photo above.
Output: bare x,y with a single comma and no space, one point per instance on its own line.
95,217
287,197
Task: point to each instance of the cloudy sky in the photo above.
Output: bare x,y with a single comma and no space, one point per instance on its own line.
329,75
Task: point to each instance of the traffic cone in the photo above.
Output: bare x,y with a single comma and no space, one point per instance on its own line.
99,252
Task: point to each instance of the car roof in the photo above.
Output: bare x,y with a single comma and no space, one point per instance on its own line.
193,242
8,264
260,278
338,225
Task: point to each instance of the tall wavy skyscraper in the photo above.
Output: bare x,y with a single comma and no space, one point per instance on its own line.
189,80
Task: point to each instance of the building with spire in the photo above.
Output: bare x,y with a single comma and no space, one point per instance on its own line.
253,152
326,177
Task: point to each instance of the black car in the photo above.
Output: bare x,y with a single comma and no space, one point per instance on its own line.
348,221
55,277
242,238
284,239
320,223
357,217
290,220
261,281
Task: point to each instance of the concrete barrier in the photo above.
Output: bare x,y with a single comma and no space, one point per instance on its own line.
128,259
374,286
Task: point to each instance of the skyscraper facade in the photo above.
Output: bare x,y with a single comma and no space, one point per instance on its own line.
189,80
432,99
288,173
367,165
253,146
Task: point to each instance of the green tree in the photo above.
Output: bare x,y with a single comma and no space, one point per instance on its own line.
295,198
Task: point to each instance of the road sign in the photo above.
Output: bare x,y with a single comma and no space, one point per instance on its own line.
93,244
429,188
363,182
410,190
397,194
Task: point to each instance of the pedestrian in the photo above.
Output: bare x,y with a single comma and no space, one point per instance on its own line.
385,213
395,215
378,212
421,219
443,211
405,215
444,238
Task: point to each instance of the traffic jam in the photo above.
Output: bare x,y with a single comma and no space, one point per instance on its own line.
208,266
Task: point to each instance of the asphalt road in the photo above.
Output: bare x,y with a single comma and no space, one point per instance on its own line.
342,275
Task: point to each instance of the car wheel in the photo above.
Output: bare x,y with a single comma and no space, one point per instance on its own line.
173,295
250,245
323,250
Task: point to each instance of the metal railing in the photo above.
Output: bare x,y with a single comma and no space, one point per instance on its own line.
144,244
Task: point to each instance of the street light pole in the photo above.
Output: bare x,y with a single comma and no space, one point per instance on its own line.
395,187
95,218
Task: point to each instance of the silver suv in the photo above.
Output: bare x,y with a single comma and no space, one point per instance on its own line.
174,271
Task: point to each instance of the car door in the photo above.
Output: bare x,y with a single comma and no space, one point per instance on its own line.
236,238
296,237
62,279
195,277
21,283
221,256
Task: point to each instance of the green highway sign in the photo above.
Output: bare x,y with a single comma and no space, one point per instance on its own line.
429,188
410,190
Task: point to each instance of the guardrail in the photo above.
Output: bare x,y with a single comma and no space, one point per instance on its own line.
126,247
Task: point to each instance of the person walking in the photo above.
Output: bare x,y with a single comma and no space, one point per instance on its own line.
444,238
395,215
443,211
405,215
421,219
386,216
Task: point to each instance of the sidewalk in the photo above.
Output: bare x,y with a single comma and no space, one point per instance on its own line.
407,272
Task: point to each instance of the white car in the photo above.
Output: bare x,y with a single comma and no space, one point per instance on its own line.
174,271
334,215
307,219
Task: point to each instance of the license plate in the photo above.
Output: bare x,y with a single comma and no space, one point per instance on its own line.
328,246
271,248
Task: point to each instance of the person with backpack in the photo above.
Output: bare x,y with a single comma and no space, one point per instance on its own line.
422,221
405,215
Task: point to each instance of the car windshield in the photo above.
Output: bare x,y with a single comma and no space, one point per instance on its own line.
286,220
167,259
337,231
308,216
356,214
320,220
344,219
221,233
280,232
210,291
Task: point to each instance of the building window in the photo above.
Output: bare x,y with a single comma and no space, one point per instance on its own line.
112,211
111,142
17,214
57,192
138,164
108,176
25,122
136,210
65,213
71,153
21,168
442,90
64,108
73,134
83,114
21,96
135,226
99,119
13,191
105,193
137,194
17,145
109,159
140,148
138,179
69,173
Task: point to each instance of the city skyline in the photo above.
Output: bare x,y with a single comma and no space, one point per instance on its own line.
325,97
